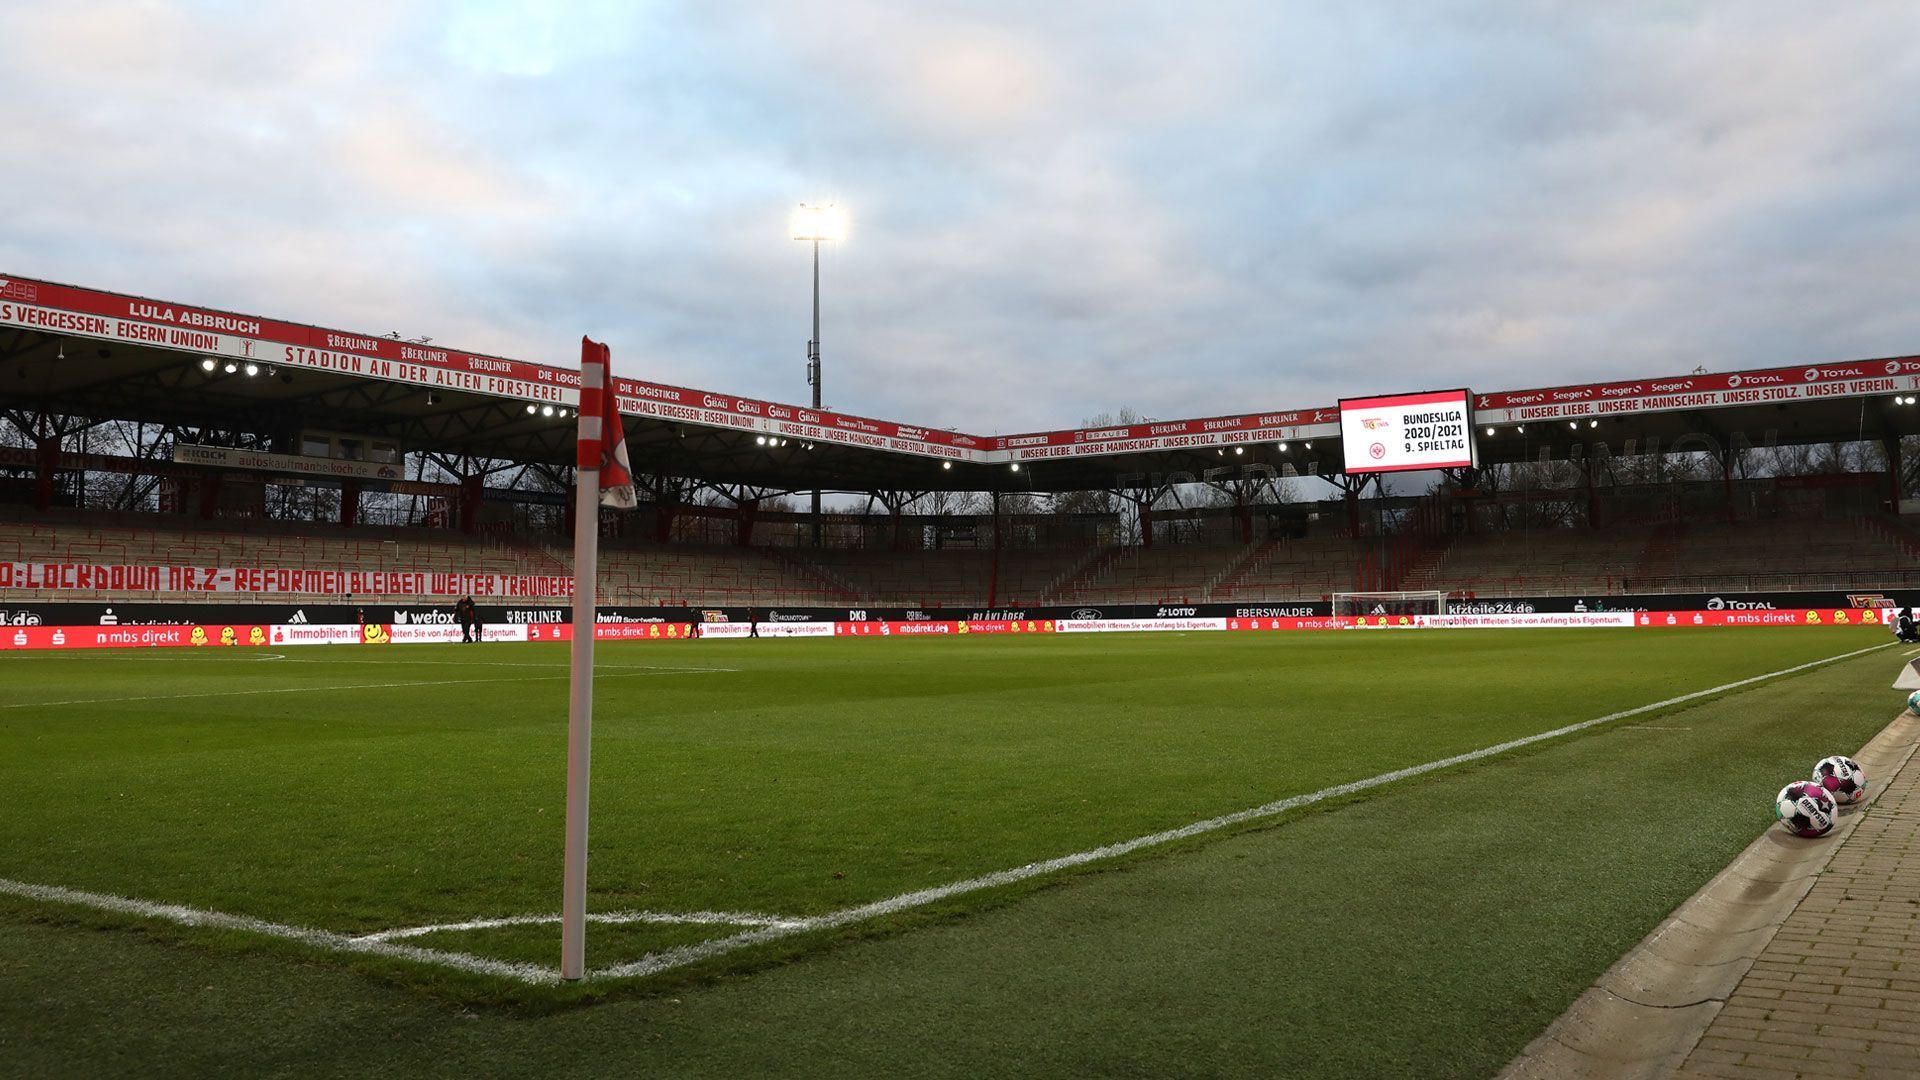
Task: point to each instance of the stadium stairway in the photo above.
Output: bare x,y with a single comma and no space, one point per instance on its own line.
832,583
1222,584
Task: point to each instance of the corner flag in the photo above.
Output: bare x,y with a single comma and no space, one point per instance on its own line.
603,444
603,478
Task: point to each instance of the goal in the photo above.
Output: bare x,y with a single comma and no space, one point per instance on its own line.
1430,602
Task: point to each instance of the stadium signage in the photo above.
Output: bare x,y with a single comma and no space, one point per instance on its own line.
220,457
1408,432
244,632
89,577
1702,391
201,332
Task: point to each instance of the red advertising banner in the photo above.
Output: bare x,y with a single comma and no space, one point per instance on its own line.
89,577
67,310
64,309
134,637
1841,617
260,636
1853,379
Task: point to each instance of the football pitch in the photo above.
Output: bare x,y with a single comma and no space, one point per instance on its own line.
1160,853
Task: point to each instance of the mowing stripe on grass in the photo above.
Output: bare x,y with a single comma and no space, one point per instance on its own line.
671,668
354,686
680,956
306,935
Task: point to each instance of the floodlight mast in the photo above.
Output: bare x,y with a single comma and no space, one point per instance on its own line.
817,223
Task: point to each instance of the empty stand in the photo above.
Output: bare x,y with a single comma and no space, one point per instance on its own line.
1538,562
1173,573
1304,569
1830,552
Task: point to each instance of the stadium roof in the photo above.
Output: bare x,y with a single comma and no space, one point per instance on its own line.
105,355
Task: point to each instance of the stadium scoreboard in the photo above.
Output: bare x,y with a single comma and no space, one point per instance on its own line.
1408,432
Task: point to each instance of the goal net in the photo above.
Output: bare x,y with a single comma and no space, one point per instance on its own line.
1431,602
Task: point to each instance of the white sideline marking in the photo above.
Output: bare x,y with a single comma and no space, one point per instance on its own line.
349,686
681,956
611,918
321,939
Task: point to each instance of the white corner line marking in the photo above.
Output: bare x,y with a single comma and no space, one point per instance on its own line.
607,918
378,943
320,939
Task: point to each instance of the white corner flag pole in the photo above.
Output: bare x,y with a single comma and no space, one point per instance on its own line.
586,560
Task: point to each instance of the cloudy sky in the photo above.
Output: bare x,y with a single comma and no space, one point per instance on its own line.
1057,209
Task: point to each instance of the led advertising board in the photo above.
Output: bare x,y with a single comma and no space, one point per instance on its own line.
1408,432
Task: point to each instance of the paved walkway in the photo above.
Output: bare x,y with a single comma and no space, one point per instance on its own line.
1799,959
1836,993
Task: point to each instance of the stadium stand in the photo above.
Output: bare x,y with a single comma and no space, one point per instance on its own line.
136,540
675,576
1782,554
1535,562
947,579
1772,555
1174,573
1812,553
1302,569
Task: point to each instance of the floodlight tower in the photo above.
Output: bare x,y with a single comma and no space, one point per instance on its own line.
817,222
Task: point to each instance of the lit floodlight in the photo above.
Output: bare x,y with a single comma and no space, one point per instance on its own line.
232,367
1016,466
1522,429
1489,433
531,409
759,440
820,222
1283,448
1238,450
546,410
252,370
209,364
1593,423
946,464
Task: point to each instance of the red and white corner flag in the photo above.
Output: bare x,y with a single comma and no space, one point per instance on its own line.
603,444
603,478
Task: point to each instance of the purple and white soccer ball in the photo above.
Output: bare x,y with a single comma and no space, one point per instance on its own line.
1805,809
1843,778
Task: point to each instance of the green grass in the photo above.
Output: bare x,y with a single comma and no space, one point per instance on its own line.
1430,928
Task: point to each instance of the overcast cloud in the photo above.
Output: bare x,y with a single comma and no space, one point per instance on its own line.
1057,209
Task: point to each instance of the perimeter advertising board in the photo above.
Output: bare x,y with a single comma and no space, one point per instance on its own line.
1408,432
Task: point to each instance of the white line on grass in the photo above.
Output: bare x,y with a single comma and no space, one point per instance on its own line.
610,918
681,956
349,686
321,939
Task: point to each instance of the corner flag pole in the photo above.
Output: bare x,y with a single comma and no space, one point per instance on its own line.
586,559
604,477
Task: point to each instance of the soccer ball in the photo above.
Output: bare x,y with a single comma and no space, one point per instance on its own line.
1805,809
1913,703
1843,778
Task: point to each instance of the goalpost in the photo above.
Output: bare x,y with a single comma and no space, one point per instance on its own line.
1420,602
